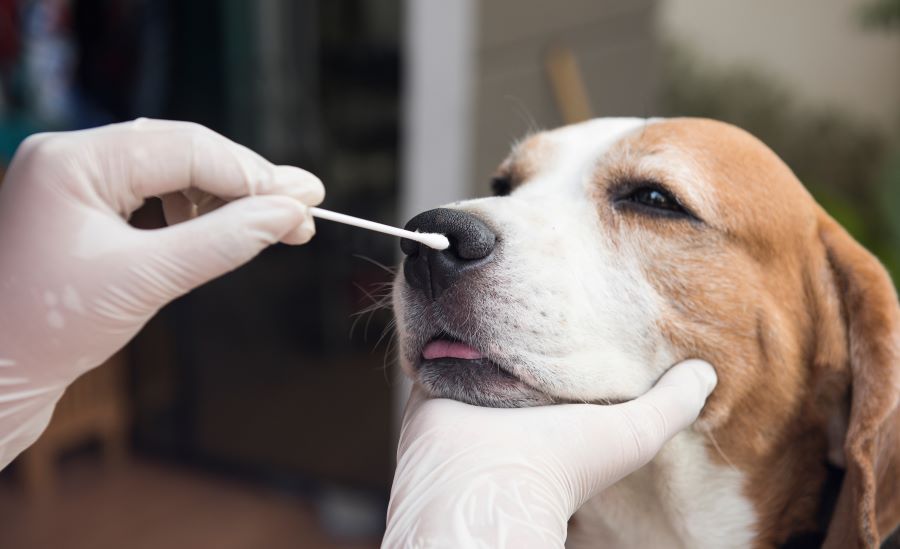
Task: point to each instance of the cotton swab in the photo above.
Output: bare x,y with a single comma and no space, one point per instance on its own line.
432,240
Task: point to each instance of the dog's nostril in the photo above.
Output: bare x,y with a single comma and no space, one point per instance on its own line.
476,246
434,271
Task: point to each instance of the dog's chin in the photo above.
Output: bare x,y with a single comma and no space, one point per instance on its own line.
479,382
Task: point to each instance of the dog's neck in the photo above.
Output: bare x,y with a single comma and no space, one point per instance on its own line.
691,495
680,499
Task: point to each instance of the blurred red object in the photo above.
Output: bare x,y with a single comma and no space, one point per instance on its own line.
9,32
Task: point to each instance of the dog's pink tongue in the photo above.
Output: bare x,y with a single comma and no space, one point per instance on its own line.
442,348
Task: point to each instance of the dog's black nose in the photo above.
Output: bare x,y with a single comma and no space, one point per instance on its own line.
433,271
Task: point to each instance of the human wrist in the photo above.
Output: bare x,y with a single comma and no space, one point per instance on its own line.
478,505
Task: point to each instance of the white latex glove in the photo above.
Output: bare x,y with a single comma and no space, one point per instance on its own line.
77,282
495,477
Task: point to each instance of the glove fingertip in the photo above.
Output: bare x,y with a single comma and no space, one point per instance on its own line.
302,234
300,184
691,371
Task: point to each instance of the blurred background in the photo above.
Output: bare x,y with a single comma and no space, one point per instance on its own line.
260,410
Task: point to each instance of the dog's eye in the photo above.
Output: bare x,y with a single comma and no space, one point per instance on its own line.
654,200
501,186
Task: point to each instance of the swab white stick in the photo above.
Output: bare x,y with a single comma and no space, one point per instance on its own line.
432,240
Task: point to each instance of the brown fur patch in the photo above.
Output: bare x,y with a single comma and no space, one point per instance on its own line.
789,310
525,160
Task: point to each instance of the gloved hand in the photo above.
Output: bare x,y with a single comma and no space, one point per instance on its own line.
490,477
77,282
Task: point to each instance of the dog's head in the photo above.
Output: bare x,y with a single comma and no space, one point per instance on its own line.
618,247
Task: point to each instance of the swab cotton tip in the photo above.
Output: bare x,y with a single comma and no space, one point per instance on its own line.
432,240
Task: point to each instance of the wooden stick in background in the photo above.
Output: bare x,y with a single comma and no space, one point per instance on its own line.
568,86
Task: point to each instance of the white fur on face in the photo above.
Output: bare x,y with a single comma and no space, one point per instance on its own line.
563,305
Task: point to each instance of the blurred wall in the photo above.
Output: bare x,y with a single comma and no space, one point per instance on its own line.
817,48
612,40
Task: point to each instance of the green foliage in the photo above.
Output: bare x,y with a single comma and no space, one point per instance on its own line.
882,13
888,206
846,165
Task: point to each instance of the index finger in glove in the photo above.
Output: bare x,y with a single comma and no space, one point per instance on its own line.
670,406
157,157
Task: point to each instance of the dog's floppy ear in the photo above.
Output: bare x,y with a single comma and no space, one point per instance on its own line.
868,505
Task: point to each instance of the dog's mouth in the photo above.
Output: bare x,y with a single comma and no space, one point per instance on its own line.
451,368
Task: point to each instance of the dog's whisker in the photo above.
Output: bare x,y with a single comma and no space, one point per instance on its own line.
390,270
522,111
374,297
368,323
389,329
389,355
379,302
715,444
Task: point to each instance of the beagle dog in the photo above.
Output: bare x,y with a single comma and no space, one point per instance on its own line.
615,248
